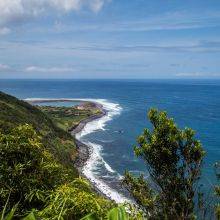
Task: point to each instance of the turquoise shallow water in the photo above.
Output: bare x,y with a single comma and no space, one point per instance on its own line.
192,103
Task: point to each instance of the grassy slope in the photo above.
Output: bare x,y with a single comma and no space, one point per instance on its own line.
15,112
75,194
52,123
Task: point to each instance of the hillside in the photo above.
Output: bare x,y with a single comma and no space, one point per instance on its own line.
37,163
15,112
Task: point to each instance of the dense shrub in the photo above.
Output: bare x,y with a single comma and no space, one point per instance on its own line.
32,178
173,158
15,112
27,170
73,201
37,166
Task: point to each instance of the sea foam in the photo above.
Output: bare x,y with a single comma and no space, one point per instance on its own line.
96,160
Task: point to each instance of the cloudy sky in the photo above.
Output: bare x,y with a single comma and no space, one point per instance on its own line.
109,39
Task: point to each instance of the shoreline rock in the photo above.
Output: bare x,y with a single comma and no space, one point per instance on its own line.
84,151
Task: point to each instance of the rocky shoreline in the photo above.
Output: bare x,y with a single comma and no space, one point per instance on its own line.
84,151
81,125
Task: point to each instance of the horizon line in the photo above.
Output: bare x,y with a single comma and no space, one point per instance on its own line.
217,78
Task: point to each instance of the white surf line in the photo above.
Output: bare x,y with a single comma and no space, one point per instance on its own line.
95,157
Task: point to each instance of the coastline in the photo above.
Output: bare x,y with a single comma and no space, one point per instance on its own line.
85,155
78,128
83,150
87,152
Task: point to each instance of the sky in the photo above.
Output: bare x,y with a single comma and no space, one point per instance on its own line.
110,39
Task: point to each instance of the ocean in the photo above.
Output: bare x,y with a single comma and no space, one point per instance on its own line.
192,103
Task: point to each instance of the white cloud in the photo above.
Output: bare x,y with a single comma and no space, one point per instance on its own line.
13,11
197,75
49,69
189,74
4,30
4,67
36,69
167,21
96,5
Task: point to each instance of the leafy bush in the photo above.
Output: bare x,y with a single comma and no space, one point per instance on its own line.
173,158
15,112
73,201
27,170
117,213
32,178
36,169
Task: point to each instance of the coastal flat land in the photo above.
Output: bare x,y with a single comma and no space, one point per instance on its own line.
68,118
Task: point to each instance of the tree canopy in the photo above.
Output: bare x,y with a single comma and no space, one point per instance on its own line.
173,158
31,178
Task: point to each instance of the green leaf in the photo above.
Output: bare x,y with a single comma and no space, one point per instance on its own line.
89,217
31,216
117,213
10,215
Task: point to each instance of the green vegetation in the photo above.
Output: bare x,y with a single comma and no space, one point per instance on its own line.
173,158
36,170
39,181
117,213
28,170
14,112
69,117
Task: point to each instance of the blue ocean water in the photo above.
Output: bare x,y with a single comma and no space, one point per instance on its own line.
191,103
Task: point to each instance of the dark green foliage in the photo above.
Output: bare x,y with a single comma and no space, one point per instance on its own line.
173,158
32,178
28,171
37,176
73,201
141,191
4,215
117,213
14,112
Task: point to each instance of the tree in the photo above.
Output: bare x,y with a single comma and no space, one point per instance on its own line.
173,158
